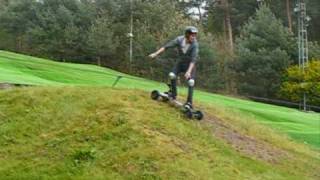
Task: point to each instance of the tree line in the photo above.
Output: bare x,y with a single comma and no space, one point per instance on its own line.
246,48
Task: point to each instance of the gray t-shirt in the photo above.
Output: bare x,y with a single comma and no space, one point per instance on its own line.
187,52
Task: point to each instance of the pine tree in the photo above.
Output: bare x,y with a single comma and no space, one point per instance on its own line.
101,40
265,49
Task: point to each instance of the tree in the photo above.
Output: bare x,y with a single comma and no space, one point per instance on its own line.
313,7
265,49
288,10
227,22
222,7
3,4
155,25
227,16
16,18
284,11
314,50
101,40
195,8
60,29
297,82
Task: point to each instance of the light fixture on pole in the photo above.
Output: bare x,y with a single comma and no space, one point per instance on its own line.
259,2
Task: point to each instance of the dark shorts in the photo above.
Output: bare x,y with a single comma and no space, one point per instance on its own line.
182,68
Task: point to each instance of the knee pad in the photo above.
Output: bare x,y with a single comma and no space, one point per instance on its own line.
172,76
191,82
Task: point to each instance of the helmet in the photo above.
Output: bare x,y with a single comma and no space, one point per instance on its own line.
191,29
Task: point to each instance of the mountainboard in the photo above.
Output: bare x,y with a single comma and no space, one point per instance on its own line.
185,109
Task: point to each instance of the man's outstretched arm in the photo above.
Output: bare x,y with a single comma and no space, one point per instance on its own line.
155,54
172,43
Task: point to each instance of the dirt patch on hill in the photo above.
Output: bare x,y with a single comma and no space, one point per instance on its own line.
10,85
245,144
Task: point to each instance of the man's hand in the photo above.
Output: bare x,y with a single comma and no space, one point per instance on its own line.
153,55
187,75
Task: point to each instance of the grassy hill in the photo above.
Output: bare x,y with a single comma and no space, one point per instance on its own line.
73,124
21,69
80,132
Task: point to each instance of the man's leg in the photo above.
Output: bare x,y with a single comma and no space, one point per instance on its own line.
191,83
173,85
173,80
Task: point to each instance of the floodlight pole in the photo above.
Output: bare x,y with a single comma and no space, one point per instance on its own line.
130,35
303,19
131,32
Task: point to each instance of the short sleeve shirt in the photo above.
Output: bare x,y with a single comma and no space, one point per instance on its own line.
187,52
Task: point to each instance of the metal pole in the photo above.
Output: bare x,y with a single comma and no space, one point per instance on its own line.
302,41
131,32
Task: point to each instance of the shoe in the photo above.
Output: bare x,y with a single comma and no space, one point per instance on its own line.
188,105
170,95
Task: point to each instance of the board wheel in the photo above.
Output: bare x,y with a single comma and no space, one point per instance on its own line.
198,115
155,95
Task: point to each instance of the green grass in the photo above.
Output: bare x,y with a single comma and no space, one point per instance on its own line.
21,69
301,126
76,126
114,133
